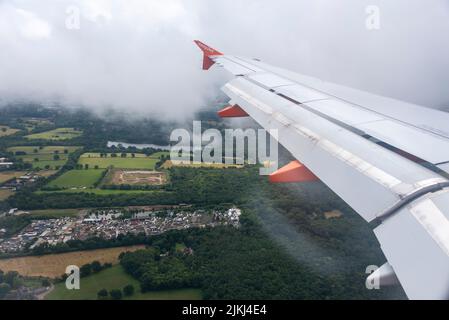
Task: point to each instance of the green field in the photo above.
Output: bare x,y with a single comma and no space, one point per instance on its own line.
40,157
116,278
56,134
7,131
108,155
159,154
30,150
101,192
77,179
140,161
33,123
56,213
180,247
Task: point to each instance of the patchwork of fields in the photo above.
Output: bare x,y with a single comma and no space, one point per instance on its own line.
50,157
77,179
174,163
33,123
117,278
54,265
56,213
139,161
56,134
91,171
7,131
8,175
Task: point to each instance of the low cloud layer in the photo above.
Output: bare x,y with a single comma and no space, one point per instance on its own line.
138,55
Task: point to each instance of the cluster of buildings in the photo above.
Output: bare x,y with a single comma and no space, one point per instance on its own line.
231,217
5,164
17,183
26,293
11,212
110,224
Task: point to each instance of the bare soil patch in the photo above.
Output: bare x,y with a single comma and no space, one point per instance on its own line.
137,177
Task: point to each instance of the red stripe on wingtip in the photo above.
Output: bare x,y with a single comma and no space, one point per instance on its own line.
208,51
232,112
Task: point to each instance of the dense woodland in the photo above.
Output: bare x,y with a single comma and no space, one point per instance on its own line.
244,264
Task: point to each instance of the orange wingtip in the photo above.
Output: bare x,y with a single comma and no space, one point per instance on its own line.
207,62
295,171
232,112
208,51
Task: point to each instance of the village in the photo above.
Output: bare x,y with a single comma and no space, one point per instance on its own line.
109,224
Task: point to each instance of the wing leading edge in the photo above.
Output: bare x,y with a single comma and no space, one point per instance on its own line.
387,168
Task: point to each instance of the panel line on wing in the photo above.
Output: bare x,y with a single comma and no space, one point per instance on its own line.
429,165
342,154
426,128
238,63
351,159
433,221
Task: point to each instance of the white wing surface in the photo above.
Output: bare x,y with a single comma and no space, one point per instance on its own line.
386,158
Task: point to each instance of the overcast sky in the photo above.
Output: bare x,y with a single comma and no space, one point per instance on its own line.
138,55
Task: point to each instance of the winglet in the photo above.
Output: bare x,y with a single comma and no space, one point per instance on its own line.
208,52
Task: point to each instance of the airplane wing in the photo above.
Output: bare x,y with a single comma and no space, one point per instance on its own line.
389,160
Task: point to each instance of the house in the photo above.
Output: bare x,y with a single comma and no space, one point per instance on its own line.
6,165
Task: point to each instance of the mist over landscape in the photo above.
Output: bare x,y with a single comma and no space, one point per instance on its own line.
138,56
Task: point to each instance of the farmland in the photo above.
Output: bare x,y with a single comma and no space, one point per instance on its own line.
51,157
56,134
139,161
32,123
117,278
5,194
54,265
160,154
7,131
135,177
170,164
8,175
55,213
43,150
77,179
46,173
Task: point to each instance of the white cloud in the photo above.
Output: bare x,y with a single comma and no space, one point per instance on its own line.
138,55
31,26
